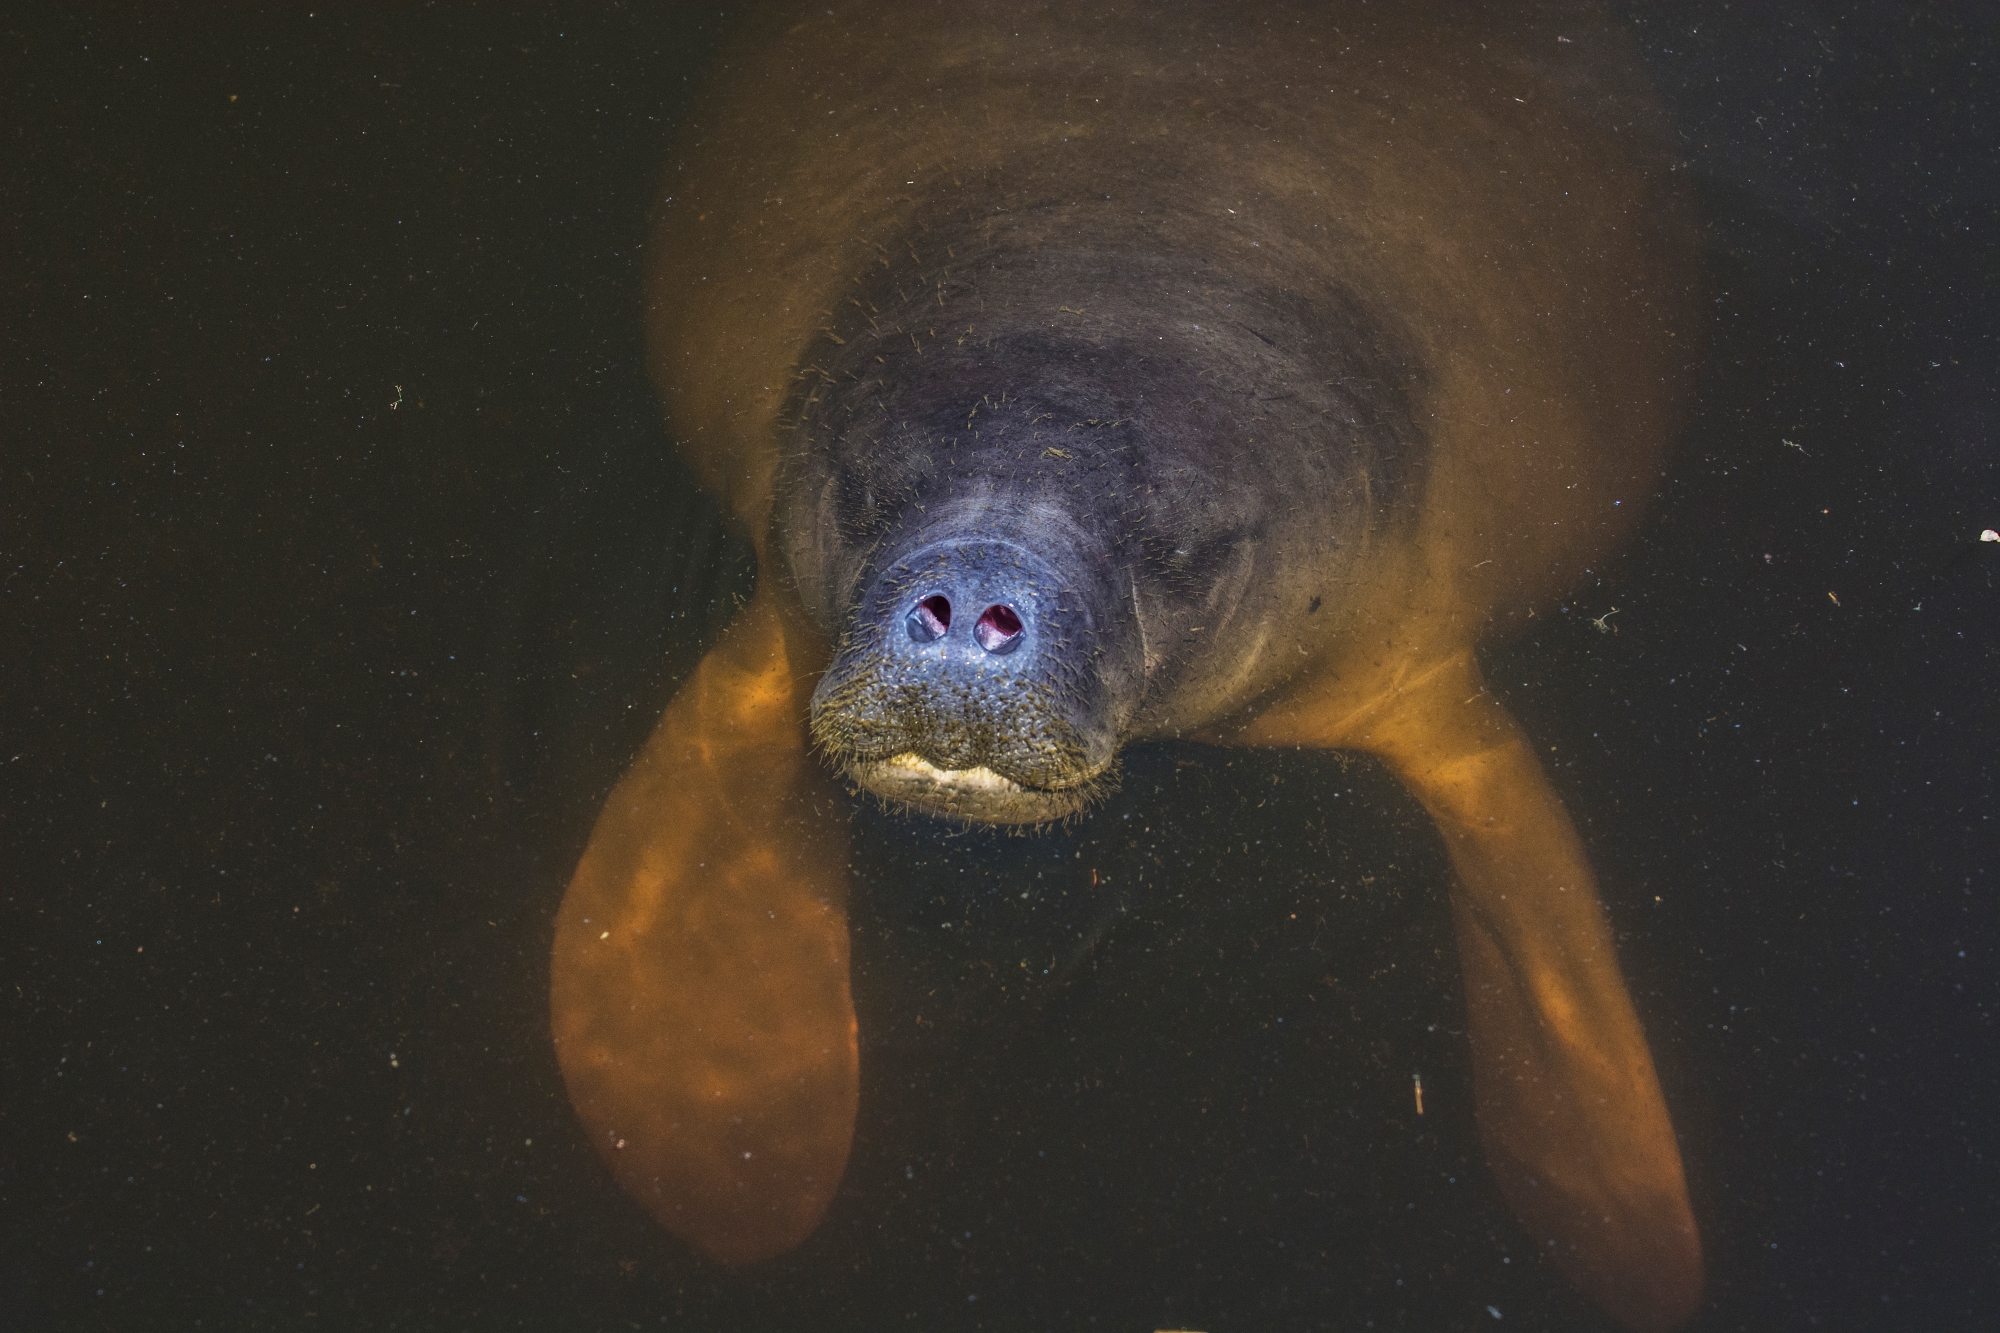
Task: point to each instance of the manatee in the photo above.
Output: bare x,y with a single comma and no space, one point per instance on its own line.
1083,379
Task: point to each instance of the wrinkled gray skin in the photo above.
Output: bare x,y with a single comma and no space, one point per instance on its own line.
1135,501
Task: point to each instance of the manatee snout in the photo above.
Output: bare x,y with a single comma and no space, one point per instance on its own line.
972,682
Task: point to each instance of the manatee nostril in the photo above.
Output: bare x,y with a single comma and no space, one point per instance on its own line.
929,619
998,630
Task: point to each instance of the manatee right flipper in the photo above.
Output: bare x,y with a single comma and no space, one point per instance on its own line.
1568,1103
699,988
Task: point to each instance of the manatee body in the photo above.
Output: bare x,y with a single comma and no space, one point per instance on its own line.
1081,379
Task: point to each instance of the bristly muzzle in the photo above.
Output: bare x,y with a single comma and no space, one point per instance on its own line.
990,749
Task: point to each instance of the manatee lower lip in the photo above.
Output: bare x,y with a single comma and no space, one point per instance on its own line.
977,794
980,779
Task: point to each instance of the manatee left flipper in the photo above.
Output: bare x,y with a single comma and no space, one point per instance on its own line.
699,985
1569,1106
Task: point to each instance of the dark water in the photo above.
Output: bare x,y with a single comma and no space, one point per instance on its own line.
345,567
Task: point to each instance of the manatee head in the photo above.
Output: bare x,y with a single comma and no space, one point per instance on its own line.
1032,545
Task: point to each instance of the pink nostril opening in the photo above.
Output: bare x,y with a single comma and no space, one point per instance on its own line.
998,630
929,619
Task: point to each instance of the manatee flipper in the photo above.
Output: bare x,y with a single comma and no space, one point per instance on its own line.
1569,1106
699,986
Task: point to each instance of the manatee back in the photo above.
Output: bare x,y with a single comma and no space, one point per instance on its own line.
1493,191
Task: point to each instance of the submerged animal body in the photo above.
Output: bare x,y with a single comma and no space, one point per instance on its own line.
1082,380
